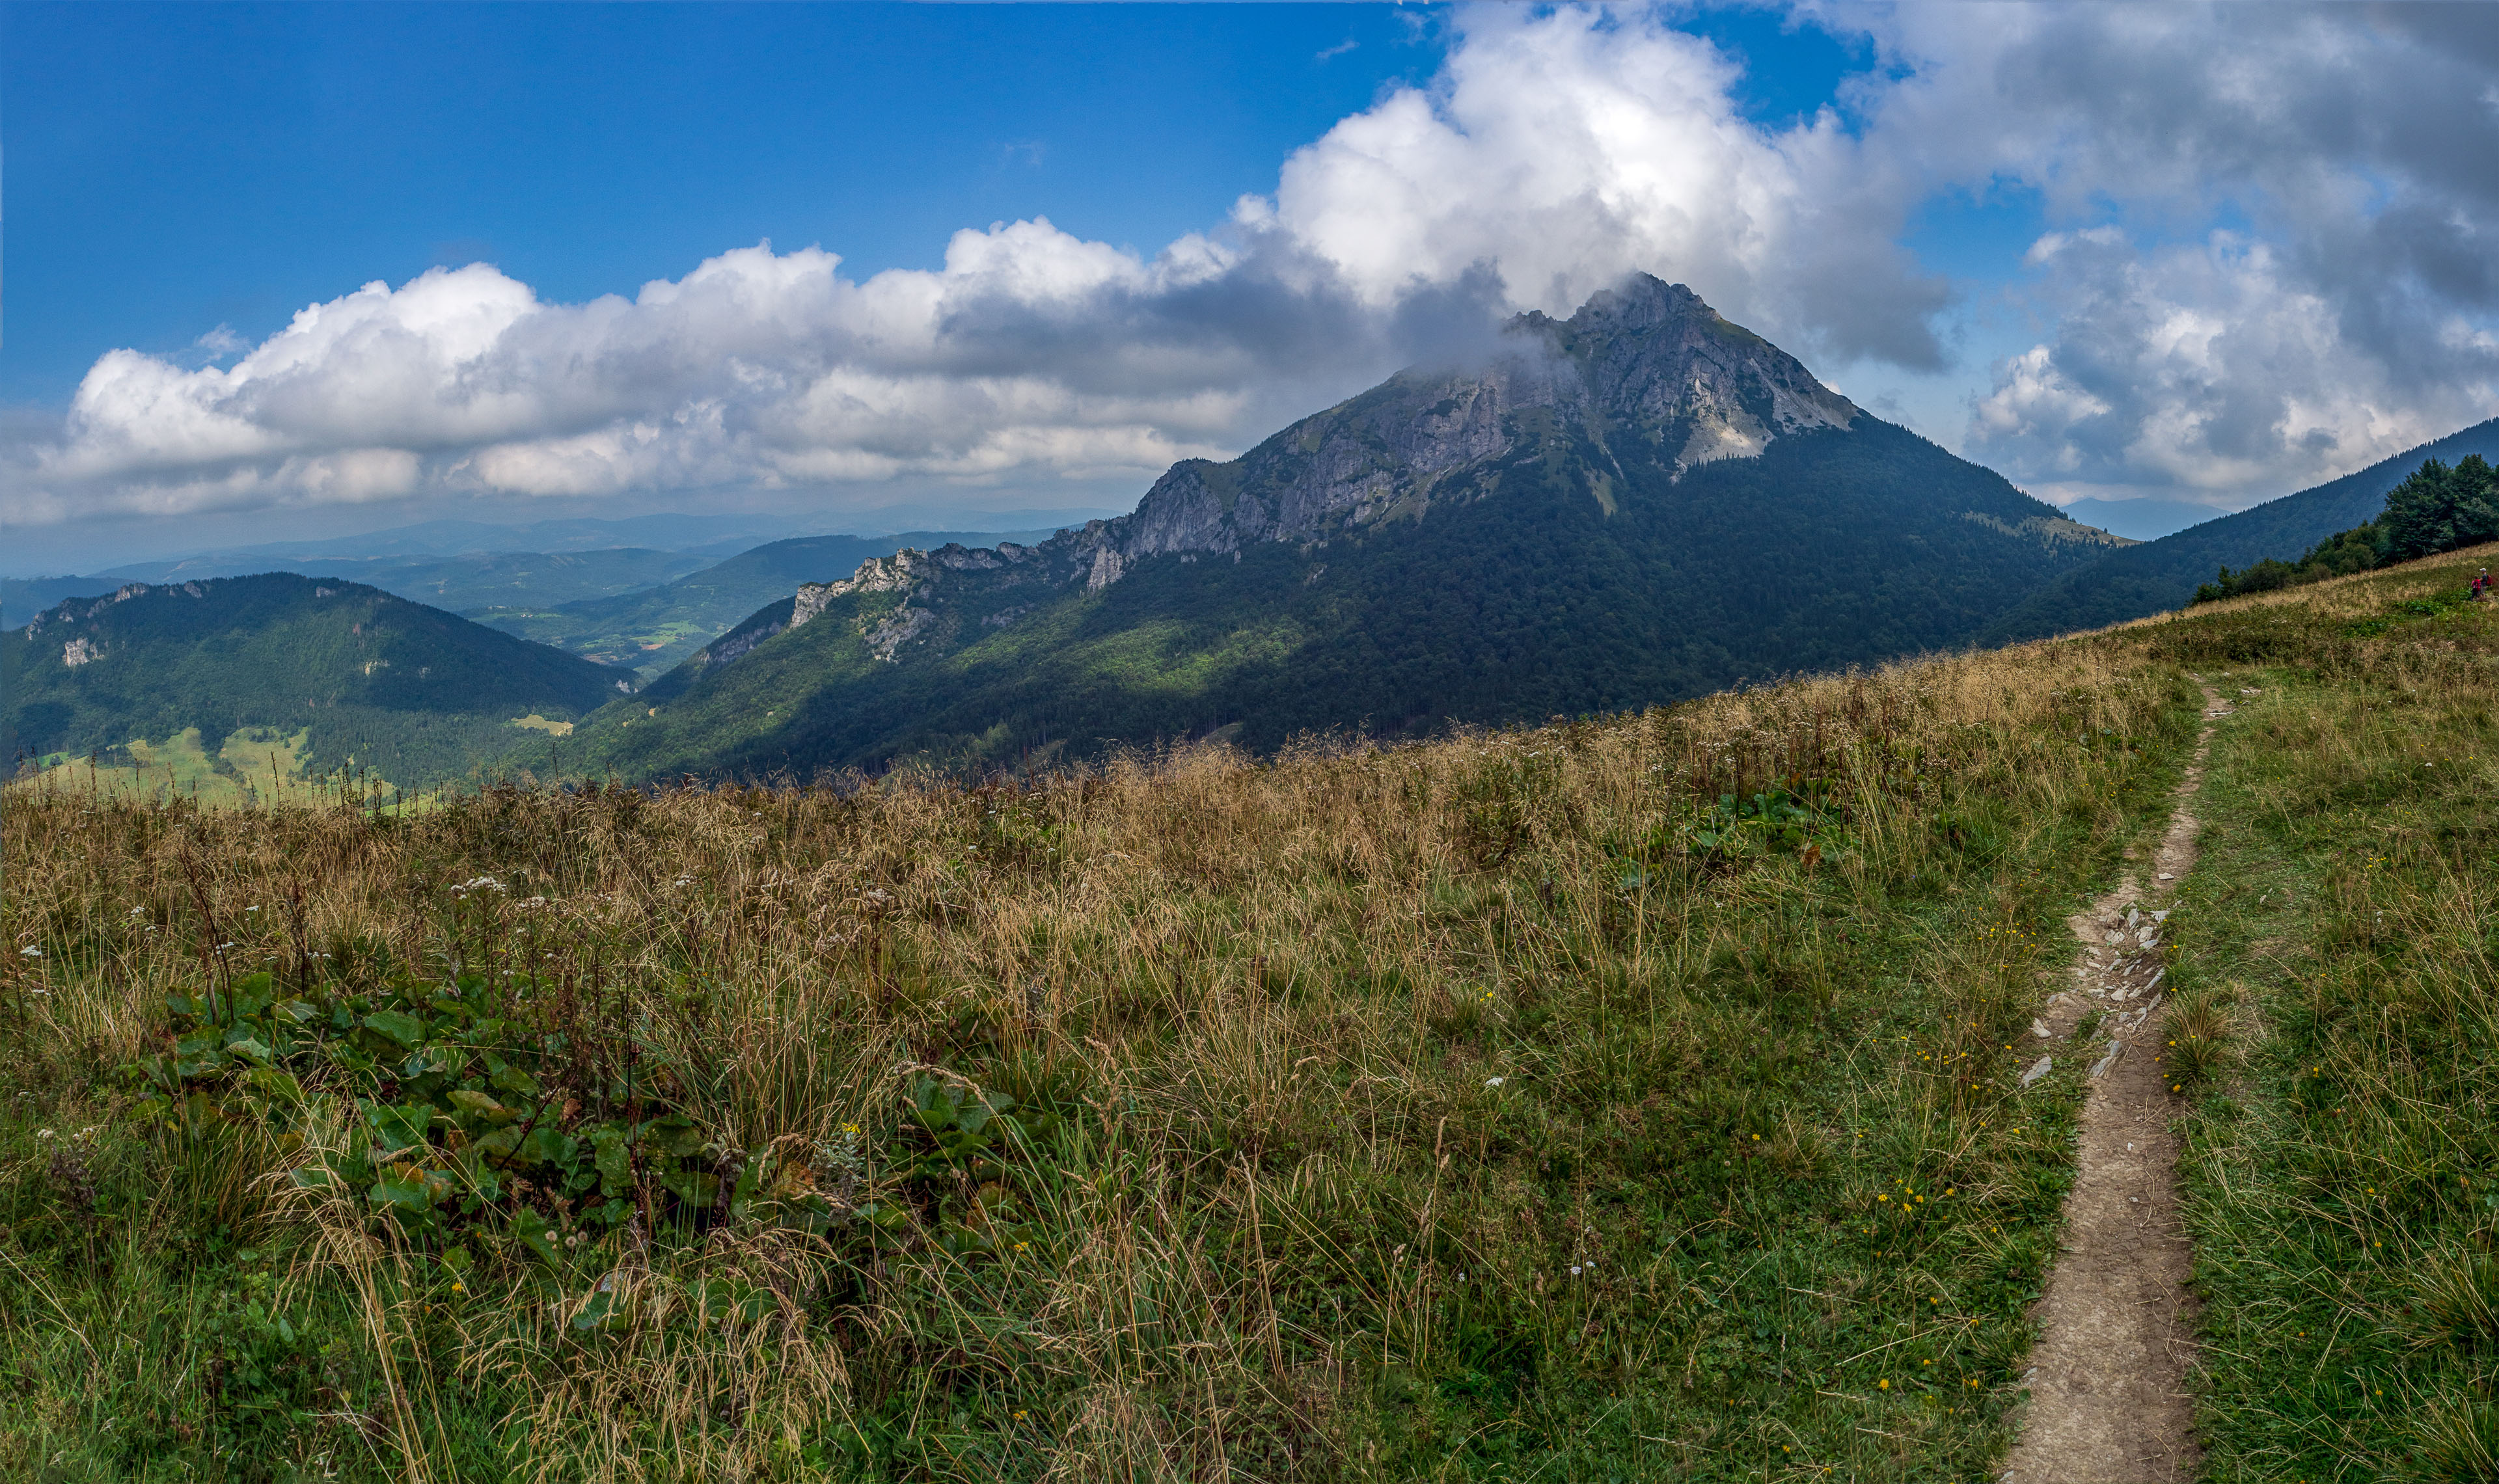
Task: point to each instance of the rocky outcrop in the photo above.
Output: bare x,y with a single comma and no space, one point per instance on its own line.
71,610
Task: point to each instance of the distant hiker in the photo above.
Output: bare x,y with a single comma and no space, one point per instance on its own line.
2481,584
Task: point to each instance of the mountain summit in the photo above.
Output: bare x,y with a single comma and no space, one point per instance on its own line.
1631,506
1649,362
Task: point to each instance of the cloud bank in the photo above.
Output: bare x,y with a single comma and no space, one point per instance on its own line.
2342,313
2287,269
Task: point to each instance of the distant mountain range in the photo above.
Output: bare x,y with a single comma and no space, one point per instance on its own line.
653,629
465,565
2161,576
329,671
1634,506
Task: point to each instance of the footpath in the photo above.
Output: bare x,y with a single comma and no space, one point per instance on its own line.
2108,1379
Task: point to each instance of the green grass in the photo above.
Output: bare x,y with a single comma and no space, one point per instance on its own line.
2344,1150
1331,1071
1317,1078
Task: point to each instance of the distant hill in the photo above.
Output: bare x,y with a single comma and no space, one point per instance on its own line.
2161,576
459,584
1637,504
2142,520
346,671
653,630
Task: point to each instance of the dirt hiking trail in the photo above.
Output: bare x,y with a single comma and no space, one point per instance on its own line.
2108,1378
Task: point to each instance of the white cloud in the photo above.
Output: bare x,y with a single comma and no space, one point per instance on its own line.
2343,313
1555,153
2208,368
2346,312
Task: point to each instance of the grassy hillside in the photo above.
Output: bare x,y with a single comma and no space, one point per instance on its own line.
1636,1098
653,631
2160,575
349,671
1538,600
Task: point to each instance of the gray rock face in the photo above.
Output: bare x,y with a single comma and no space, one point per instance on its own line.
1647,360
903,569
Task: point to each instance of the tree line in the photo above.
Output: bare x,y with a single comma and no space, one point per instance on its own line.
2437,508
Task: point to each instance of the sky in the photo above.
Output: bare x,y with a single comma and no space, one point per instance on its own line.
304,270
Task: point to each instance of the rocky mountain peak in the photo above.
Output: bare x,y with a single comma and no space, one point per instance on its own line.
1654,354
1646,361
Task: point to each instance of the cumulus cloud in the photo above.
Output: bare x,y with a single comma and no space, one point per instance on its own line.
1555,153
2341,316
2344,312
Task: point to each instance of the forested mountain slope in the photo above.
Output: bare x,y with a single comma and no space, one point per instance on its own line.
411,691
2160,575
1640,503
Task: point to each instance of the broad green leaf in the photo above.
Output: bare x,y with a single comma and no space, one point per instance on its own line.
549,1144
599,1313
676,1135
512,1079
479,1104
398,1025
692,1187
401,1128
615,1165
410,1191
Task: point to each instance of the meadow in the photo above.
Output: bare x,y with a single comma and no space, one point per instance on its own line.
1629,1098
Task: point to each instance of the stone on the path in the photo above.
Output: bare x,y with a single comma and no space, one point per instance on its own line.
2039,1070
2039,1029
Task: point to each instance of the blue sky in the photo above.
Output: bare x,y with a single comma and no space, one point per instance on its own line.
1075,242
173,168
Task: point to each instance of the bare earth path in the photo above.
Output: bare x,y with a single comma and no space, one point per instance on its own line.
2108,1378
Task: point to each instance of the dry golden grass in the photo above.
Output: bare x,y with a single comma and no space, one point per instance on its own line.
1324,1029
1424,1109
